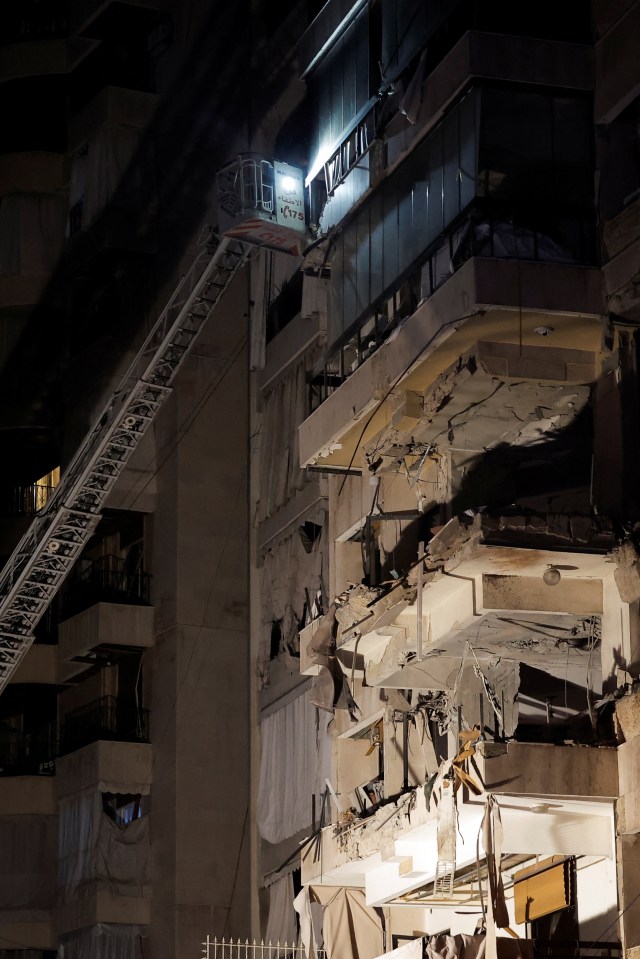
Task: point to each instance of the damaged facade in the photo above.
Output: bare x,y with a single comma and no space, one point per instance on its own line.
467,606
358,626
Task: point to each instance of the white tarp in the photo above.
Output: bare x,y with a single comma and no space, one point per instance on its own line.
281,925
93,848
293,766
411,950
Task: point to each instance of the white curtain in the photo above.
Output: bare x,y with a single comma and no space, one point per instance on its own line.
281,925
75,840
293,765
104,941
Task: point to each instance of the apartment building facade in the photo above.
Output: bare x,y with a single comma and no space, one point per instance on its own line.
124,744
369,588
444,526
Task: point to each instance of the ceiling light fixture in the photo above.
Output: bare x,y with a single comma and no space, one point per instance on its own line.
552,576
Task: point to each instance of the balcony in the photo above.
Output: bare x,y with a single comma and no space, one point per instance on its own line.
108,625
483,232
26,500
32,20
107,718
104,580
127,766
28,754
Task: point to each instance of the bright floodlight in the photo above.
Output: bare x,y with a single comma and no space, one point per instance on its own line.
288,183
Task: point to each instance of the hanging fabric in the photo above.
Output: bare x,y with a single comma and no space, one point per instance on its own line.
491,833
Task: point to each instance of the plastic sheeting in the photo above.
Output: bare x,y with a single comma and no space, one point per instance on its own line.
411,950
351,929
27,874
104,941
463,946
93,848
281,925
284,407
288,574
294,762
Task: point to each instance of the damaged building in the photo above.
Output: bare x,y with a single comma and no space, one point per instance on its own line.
462,542
319,622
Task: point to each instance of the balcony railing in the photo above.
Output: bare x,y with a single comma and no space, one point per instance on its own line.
213,948
107,718
487,230
35,20
28,754
26,500
104,580
237,949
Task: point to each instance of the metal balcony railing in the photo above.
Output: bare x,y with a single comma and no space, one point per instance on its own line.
28,754
104,580
489,229
25,500
35,20
213,948
107,718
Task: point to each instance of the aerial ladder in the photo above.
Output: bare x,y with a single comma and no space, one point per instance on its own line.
47,552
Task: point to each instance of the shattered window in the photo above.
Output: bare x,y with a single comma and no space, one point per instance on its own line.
276,639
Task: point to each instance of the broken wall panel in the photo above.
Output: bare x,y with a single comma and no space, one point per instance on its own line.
544,888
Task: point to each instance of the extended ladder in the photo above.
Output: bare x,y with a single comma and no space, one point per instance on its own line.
46,553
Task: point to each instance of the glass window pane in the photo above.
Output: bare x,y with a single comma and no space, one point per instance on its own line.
362,259
390,239
451,187
350,273
435,211
375,253
468,159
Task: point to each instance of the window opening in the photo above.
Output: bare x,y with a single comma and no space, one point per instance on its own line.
124,808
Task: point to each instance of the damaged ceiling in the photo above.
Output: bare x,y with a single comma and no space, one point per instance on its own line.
497,378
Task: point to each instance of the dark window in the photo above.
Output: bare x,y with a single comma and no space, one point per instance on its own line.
123,808
526,177
340,86
276,638
619,147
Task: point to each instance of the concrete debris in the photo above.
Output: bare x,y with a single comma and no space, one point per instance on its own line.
457,538
628,716
329,689
369,606
538,531
627,573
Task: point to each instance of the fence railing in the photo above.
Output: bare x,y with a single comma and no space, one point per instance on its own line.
238,949
105,718
25,500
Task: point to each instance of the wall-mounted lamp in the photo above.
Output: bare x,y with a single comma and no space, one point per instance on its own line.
552,576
